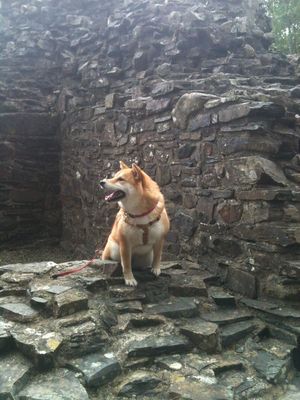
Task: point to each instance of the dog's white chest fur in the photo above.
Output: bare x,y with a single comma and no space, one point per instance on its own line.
137,235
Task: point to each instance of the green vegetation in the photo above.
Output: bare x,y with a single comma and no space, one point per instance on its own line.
286,24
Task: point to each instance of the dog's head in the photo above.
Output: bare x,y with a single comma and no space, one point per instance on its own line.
127,183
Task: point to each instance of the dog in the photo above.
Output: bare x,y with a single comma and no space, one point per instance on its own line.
141,224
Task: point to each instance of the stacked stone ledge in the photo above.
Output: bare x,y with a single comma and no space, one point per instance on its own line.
88,336
192,92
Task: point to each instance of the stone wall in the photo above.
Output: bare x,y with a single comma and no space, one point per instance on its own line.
191,91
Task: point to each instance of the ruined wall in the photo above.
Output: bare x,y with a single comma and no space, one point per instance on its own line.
190,90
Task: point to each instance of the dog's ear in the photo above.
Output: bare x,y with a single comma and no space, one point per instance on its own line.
136,172
123,165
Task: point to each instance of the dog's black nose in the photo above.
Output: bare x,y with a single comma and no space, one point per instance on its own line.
102,184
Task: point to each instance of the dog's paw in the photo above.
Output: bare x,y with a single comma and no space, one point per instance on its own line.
156,271
130,281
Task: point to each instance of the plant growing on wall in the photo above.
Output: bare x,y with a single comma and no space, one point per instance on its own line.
285,16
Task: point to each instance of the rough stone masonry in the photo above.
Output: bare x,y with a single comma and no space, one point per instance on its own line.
191,91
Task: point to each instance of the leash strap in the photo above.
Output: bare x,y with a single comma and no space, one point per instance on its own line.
73,270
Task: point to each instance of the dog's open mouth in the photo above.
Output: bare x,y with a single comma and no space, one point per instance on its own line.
115,195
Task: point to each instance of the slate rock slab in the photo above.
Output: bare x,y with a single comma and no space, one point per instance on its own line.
19,312
222,298
158,345
198,391
69,302
139,383
233,332
98,368
205,335
5,336
36,268
59,384
187,286
226,316
14,374
272,368
40,346
180,307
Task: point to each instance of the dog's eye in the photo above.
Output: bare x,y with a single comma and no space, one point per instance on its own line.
120,179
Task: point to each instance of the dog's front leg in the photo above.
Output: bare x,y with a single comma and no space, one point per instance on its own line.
125,253
157,250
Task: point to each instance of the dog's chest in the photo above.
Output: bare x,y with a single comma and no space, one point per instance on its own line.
145,234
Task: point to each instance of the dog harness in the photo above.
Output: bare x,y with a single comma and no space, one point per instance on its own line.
143,227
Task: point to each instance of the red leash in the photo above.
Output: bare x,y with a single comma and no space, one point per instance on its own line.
73,270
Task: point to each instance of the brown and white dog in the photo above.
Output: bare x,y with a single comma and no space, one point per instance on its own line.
141,224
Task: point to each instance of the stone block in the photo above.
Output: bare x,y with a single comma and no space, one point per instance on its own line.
60,384
180,307
15,372
139,383
69,302
242,282
205,335
157,345
188,104
97,369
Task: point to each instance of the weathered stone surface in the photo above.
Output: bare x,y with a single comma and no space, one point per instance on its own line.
69,302
37,268
139,383
187,286
158,345
98,368
203,334
226,316
14,374
221,298
5,336
253,170
129,307
181,307
270,367
39,345
20,312
198,391
59,384
234,112
188,104
242,282
232,333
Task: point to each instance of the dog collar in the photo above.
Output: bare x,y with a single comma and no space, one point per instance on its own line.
141,215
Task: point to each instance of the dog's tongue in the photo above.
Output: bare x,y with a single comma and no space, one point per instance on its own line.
113,195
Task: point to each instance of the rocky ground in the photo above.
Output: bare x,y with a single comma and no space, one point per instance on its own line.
181,336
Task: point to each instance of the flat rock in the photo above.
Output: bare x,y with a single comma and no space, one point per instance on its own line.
189,286
205,335
272,368
222,298
59,384
14,374
126,293
69,302
198,391
19,312
158,345
181,307
39,345
36,268
188,104
139,383
226,316
97,369
5,336
129,307
232,333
